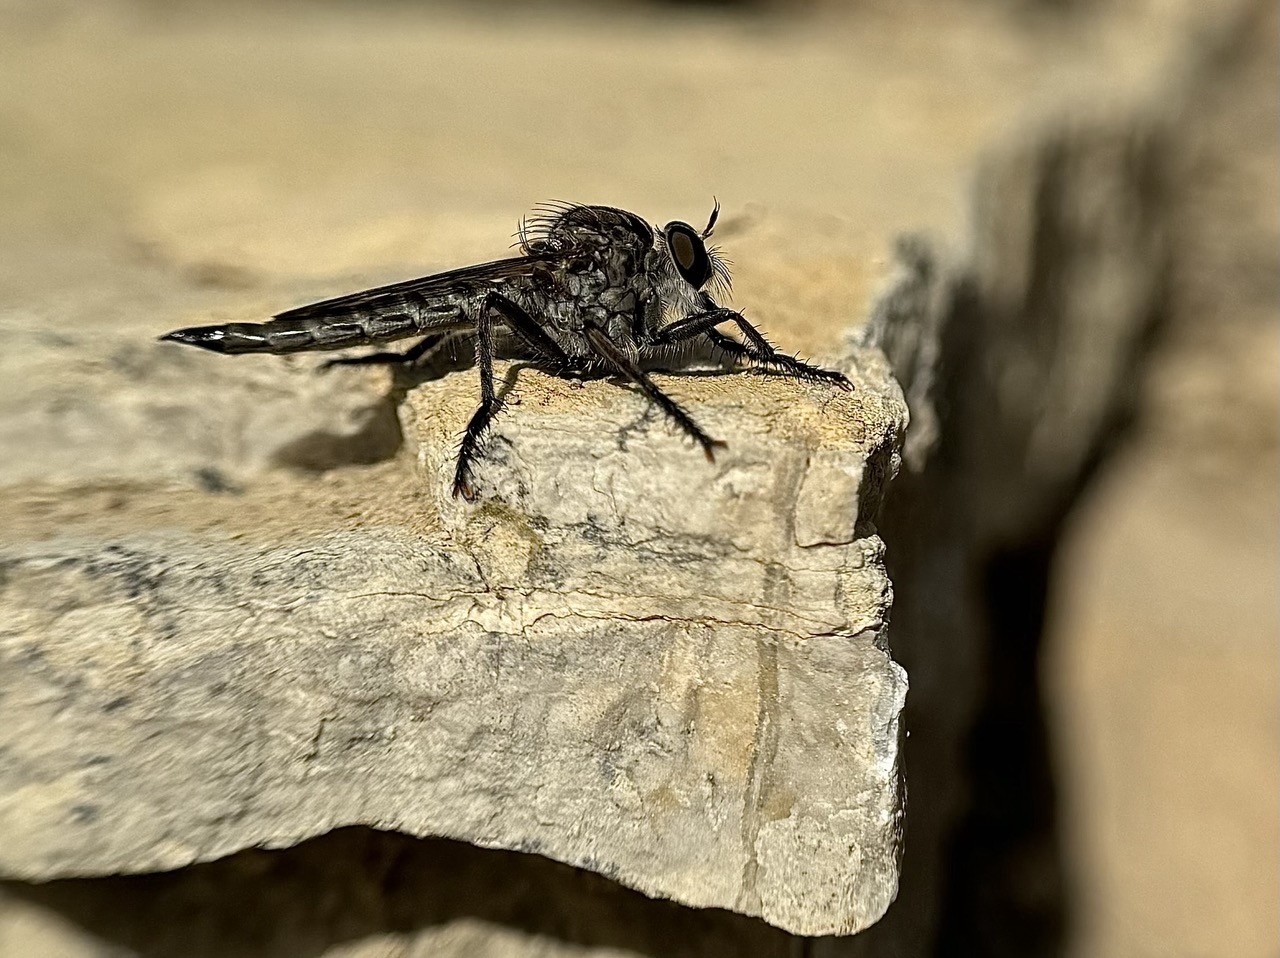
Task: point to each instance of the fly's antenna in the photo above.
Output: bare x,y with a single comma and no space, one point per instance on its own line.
711,223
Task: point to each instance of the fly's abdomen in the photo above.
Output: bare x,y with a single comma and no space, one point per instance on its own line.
298,334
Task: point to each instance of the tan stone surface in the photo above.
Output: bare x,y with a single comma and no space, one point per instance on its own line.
622,658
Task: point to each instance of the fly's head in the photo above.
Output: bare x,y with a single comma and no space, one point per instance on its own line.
690,268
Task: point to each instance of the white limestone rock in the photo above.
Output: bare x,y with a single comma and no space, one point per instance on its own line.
623,657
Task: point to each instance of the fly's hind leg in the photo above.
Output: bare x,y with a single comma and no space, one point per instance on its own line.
411,356
490,404
499,309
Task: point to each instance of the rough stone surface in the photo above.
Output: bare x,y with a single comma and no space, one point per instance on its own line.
624,658
77,409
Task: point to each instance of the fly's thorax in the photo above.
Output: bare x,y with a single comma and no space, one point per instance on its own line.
602,268
560,228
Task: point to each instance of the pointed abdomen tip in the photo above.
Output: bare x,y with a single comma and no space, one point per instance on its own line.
206,337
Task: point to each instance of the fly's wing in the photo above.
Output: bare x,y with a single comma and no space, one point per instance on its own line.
380,315
440,293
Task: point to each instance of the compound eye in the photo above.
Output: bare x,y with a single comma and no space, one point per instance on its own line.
682,249
688,253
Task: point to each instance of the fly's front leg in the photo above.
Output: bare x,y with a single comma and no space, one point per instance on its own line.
621,363
729,345
763,351
691,326
756,346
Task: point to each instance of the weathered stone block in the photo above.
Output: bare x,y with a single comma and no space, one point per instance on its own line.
667,671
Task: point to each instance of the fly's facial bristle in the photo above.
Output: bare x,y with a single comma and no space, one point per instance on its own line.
721,279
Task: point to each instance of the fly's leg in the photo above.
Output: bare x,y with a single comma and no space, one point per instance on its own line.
414,354
691,326
490,405
527,330
497,308
763,351
777,361
621,363
756,346
728,345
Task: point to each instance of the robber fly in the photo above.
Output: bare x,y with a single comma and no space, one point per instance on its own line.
595,292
